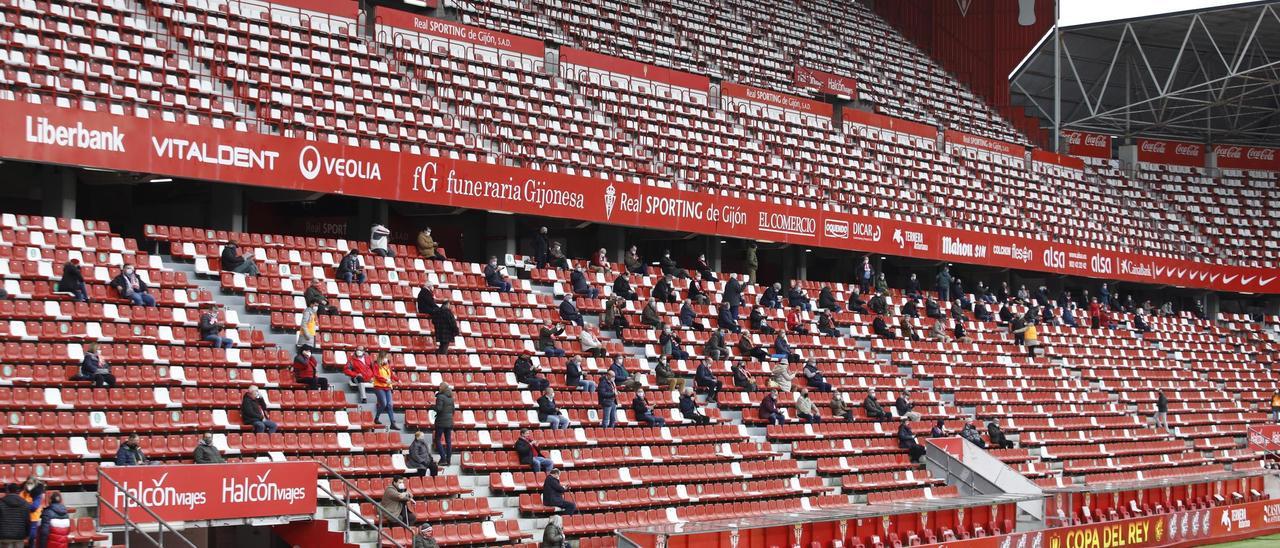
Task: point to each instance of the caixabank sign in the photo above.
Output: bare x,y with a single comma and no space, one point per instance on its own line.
199,492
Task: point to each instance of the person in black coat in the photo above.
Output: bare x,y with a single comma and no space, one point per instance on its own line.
312,296
622,288
669,267
881,329
662,291
644,412
827,300
769,408
704,378
541,248
733,294
427,301
772,296
72,281
913,287
549,413
569,310
704,270
997,436
95,369
445,326
856,304
420,456
232,261
350,269
553,494
689,408
912,308
797,297
253,412
759,323
727,318
827,326
873,408
932,309
528,454
748,349
813,377
578,279
688,317
494,276
527,374
907,440
15,517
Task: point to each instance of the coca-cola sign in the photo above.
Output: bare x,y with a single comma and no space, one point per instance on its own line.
1158,151
1093,145
1246,157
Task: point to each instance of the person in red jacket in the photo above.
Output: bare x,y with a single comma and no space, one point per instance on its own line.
304,370
795,323
360,370
1095,313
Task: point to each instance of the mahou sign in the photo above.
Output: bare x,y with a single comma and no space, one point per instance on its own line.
1246,157
1158,151
103,140
1093,145
197,492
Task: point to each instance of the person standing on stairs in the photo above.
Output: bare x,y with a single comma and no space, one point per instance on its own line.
1162,410
445,325
309,326
443,436
383,383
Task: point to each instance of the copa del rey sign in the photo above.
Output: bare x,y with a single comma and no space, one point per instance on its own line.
200,492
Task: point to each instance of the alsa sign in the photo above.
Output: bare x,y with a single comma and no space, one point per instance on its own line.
198,492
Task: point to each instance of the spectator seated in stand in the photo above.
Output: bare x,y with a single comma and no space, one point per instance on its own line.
232,261
351,268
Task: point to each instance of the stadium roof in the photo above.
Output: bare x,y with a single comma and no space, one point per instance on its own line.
1204,75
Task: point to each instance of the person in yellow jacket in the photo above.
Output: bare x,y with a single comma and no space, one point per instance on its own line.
1275,407
1031,339
383,383
309,326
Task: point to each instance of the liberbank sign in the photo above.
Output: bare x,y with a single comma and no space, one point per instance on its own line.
102,140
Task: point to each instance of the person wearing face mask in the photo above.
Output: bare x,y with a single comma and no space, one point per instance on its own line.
54,524
253,412
206,453
494,277
95,369
424,539
211,329
72,281
304,370
383,383
444,408
33,491
132,287
309,326
360,371
397,502
129,453
420,456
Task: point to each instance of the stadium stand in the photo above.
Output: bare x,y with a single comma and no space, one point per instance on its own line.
1079,414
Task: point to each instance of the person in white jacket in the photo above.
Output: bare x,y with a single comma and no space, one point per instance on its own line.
378,236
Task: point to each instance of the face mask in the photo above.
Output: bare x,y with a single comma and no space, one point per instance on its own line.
359,353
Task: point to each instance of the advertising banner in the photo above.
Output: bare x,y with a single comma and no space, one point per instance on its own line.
1264,437
125,143
197,492
1246,157
825,82
1092,145
730,91
459,32
1189,528
1158,151
977,141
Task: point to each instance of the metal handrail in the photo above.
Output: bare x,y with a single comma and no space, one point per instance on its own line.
128,497
348,487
